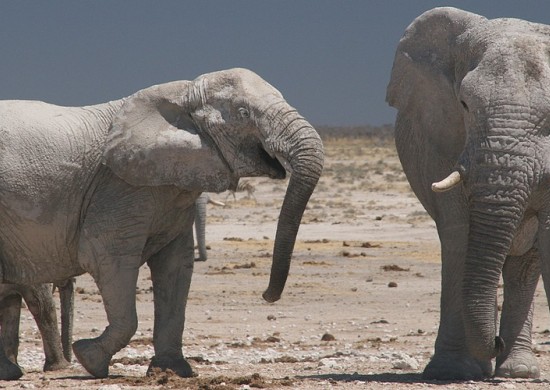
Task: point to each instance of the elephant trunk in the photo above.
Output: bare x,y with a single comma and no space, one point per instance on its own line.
300,149
498,200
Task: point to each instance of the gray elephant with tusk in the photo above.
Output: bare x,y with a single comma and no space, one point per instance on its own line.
104,189
473,125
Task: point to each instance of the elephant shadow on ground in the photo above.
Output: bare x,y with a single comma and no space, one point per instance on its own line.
389,377
392,377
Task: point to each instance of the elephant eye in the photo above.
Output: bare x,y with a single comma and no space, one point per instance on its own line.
464,105
244,113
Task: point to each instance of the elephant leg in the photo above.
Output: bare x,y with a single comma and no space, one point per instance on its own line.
521,275
116,278
40,302
451,360
9,370
171,278
66,295
9,327
200,226
10,312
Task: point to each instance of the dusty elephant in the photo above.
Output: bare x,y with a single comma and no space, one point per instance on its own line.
200,224
103,189
473,98
39,300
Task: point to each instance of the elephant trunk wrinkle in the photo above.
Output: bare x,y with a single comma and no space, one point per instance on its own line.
494,220
306,160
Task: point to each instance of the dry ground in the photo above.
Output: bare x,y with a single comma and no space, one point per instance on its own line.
360,309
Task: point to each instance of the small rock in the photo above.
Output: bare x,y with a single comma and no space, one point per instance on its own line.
328,337
329,363
392,284
109,387
402,361
271,317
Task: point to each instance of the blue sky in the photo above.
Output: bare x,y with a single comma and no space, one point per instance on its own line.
330,59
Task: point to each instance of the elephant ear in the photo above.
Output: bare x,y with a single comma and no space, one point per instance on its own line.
426,72
154,141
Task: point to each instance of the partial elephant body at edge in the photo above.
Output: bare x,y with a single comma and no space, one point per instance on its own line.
473,101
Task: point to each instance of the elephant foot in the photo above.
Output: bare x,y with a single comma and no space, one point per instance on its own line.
524,365
59,364
179,366
10,371
456,367
93,357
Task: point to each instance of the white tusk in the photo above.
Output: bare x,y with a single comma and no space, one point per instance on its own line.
446,184
216,202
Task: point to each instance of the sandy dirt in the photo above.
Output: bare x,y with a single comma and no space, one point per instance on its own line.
360,309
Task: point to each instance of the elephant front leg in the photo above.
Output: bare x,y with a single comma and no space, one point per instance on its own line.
451,360
521,275
171,271
116,278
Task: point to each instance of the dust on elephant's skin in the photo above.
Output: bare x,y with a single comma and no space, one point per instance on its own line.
103,189
473,101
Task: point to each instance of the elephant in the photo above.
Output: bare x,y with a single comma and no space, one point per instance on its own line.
473,101
104,189
39,300
200,224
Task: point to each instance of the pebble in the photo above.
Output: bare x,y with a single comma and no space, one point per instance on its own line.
109,387
402,361
329,363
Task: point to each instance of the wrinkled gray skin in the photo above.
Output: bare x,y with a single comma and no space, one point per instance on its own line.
473,95
200,226
39,300
103,189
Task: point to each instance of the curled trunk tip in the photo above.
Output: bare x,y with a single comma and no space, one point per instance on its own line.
271,296
500,346
448,183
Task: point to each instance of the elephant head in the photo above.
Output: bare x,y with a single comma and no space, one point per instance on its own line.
480,88
204,135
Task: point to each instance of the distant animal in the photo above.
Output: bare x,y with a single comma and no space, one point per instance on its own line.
104,189
200,224
243,186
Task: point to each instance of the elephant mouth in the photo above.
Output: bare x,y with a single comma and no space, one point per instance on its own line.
272,165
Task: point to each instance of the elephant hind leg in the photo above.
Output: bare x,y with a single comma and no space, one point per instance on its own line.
9,370
10,310
10,314
521,275
40,302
